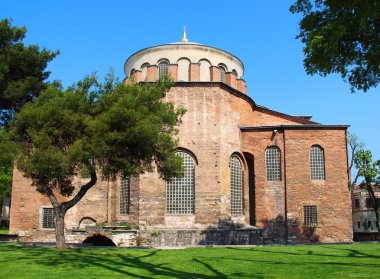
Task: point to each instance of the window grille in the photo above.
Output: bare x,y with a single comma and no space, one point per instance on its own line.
317,163
310,217
236,185
48,218
125,186
162,69
180,190
222,74
357,203
273,163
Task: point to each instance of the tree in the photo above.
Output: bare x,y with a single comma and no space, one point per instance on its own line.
370,171
6,164
354,144
22,70
341,37
110,129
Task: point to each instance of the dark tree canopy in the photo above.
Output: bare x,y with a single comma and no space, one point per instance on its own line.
110,129
22,70
341,37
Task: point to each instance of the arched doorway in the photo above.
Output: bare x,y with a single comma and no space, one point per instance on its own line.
251,187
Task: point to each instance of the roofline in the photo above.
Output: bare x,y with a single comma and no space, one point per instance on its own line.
293,127
192,44
299,119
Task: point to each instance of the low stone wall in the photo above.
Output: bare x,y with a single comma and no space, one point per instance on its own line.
358,236
159,237
196,237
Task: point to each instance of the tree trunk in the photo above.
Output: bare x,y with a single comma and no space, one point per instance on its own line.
59,218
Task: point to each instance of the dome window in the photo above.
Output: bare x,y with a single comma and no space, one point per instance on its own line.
162,69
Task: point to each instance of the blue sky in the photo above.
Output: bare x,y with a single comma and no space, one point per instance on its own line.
95,35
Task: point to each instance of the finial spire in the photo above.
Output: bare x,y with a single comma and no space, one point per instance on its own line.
184,39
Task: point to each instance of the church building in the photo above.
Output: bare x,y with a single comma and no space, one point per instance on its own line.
247,168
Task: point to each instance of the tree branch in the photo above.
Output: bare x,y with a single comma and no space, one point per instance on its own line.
83,189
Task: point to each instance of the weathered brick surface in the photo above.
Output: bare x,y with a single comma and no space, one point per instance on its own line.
330,195
210,129
231,79
152,73
194,72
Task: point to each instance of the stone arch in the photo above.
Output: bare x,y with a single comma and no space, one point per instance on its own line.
204,69
98,239
144,69
250,160
87,222
183,69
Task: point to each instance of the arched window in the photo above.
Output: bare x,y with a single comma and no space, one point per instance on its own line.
222,73
317,163
162,69
234,72
125,191
273,163
180,190
236,185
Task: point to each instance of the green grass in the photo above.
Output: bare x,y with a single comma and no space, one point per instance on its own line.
311,261
4,231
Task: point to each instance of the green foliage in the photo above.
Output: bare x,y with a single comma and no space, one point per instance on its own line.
22,70
109,128
341,37
7,150
367,168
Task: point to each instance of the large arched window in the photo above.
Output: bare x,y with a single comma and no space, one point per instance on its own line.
163,69
273,163
180,190
236,185
317,163
125,191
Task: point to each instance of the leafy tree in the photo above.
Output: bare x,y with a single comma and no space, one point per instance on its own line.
370,171
341,37
355,145
6,164
22,70
110,128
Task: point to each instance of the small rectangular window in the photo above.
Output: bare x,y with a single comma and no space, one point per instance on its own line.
368,203
369,225
358,224
47,218
357,203
310,217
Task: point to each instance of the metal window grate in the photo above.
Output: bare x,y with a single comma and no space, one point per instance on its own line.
236,186
180,190
222,74
162,69
273,163
310,217
125,191
47,218
317,163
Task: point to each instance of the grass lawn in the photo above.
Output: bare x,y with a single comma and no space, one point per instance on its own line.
4,231
312,261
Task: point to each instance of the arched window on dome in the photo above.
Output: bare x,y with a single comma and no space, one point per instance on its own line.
222,70
236,178
180,190
234,72
163,68
317,163
132,72
273,163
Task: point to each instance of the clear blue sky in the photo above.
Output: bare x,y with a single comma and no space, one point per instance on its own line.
94,35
